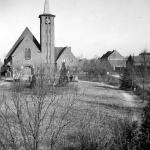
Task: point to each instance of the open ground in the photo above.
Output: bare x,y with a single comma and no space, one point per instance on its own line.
93,105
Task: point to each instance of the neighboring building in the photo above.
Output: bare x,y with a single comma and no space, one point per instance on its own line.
113,59
140,63
138,67
27,53
0,64
64,54
142,59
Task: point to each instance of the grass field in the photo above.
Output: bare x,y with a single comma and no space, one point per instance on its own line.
92,110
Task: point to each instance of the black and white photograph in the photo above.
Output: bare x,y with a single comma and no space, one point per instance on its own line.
74,74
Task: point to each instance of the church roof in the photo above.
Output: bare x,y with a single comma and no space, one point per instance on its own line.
59,51
20,39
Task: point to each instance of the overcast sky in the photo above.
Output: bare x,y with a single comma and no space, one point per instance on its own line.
90,27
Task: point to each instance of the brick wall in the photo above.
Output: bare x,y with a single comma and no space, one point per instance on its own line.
18,57
68,57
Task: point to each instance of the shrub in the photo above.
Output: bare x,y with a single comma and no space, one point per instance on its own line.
144,137
124,134
113,81
31,120
63,79
127,78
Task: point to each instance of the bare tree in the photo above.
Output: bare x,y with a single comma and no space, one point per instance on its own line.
34,119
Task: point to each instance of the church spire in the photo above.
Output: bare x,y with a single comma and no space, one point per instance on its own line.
47,35
46,7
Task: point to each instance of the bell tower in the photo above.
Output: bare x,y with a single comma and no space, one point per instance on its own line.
47,36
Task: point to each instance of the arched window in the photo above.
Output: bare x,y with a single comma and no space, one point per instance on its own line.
27,54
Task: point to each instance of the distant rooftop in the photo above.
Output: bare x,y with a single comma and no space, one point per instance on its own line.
106,55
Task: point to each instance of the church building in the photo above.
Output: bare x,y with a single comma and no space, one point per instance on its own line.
27,53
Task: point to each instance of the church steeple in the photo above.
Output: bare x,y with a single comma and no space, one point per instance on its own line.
47,35
46,7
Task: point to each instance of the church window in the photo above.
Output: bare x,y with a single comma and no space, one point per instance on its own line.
27,54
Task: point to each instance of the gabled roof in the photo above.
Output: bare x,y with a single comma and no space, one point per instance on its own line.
20,39
106,55
59,51
114,61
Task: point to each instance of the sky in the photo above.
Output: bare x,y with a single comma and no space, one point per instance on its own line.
90,27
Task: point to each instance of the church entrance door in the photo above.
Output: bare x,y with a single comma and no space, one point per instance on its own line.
27,72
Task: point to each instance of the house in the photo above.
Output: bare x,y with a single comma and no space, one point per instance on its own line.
140,64
27,53
114,60
142,59
0,64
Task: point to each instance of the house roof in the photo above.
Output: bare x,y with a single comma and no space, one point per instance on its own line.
117,60
144,53
106,55
20,39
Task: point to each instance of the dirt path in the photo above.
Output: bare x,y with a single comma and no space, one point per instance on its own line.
96,89
130,99
110,99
